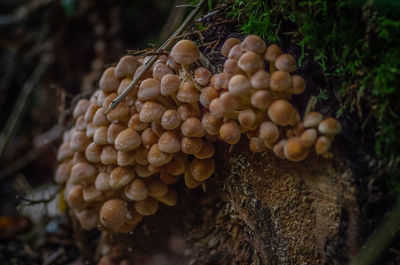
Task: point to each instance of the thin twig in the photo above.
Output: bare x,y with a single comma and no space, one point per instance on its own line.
171,40
20,104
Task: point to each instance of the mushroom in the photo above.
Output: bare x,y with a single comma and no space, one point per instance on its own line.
113,213
108,81
126,67
250,62
230,132
312,119
169,142
253,43
329,126
294,150
227,46
185,52
202,76
137,190
127,140
286,62
202,169
147,206
120,176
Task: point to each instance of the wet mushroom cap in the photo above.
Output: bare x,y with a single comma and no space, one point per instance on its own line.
202,169
250,62
286,62
253,43
113,213
281,112
185,52
272,53
227,46
230,132
312,119
294,150
329,126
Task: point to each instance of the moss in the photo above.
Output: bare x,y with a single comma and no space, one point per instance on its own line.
356,42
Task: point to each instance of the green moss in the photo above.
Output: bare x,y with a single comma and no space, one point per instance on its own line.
356,41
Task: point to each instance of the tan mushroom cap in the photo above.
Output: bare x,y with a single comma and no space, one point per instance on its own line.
170,198
157,188
202,169
137,190
253,43
228,45
185,52
63,172
279,148
120,176
329,126
113,213
294,150
75,197
143,171
176,166
127,140
113,130
91,194
93,152
282,113
280,81
151,111
171,119
108,81
262,99
260,80
228,102
269,132
211,124
190,182
188,110
169,84
191,145
102,182
169,178
90,112
141,156
169,142
79,157
149,138
158,158
239,86
230,132
99,118
219,81
308,137
126,67
64,152
136,124
192,127
247,118
298,85
187,93
231,68
108,155
202,76
79,141
100,135
148,206
250,62
149,89
206,151
216,109
272,53
312,119
160,70
257,145
207,95
82,172
81,107
90,129
286,62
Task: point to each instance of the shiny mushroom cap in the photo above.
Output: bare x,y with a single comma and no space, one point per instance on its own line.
185,52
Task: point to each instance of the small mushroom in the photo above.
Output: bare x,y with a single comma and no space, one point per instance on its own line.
202,76
227,46
126,67
294,150
312,119
127,140
171,119
120,176
108,81
169,142
202,169
185,52
308,137
170,198
329,126
137,190
235,52
147,206
250,62
286,62
253,43
158,158
113,213
230,132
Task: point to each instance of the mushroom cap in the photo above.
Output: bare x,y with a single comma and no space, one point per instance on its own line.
157,188
170,198
82,172
108,155
207,95
136,124
219,81
192,127
160,70
102,182
149,138
90,129
158,158
323,144
312,119
272,53
202,76
169,142
75,197
190,182
262,99
90,193
216,108
169,178
286,62
113,213
176,166
89,114
141,156
247,118
185,52
137,190
269,132
230,132
250,62
298,85
329,126
63,172
308,137
294,150
79,141
151,111
239,85
202,169
99,118
108,81
279,148
228,102
93,152
88,219
169,84
280,81
235,52
148,206
127,140
126,67
81,107
206,151
188,110
120,176
64,152
126,158
187,93
231,68
191,145
257,145
157,128
149,89
171,119
100,135
227,46
113,130
260,80
253,43
211,124
282,113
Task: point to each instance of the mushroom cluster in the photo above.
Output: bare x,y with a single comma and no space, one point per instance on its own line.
117,168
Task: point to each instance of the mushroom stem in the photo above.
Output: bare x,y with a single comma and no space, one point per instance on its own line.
272,67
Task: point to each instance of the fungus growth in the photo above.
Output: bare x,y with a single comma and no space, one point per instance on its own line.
118,168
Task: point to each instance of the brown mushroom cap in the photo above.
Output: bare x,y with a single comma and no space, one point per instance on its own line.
63,172
91,194
216,108
257,145
170,198
90,112
228,44
262,99
75,197
171,119
113,130
272,53
148,206
191,145
151,111
113,213
160,70
88,219
206,151
141,156
219,81
81,107
192,127
294,150
239,86
286,62
253,43
228,102
149,89
120,176
312,119
202,76
185,52
82,172
126,67
235,52
108,155
175,167
169,142
125,158
79,141
127,140
156,157
260,80
149,138
269,132
202,169
247,118
308,137
137,190
157,188
329,126
169,84
298,85
143,171
169,178
207,95
282,113
99,118
211,124
250,62
322,145
102,182
190,182
100,135
108,81
230,132
64,152
93,152
231,68
136,124
187,93
280,81
188,110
